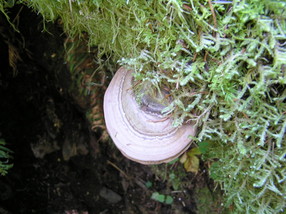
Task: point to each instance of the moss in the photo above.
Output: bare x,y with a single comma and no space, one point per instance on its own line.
224,63
210,198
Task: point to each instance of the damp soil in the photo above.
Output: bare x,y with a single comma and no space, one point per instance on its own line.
59,164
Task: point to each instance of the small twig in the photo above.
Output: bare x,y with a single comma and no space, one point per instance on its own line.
197,92
178,191
206,56
213,13
17,18
187,7
195,57
138,182
120,170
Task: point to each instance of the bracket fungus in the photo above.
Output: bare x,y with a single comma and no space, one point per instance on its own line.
139,129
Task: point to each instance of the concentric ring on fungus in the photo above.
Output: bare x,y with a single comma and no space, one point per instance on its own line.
140,134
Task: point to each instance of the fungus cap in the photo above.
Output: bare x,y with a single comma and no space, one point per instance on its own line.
140,134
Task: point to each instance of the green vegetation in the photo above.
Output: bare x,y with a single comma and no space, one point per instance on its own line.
3,6
167,199
224,63
5,165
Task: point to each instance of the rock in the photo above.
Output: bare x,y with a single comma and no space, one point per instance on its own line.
109,195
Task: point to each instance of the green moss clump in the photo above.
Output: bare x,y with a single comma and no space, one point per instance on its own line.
225,65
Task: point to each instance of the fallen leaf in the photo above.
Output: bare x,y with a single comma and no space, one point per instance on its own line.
192,164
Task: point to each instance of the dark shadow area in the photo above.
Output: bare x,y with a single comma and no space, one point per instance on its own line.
39,117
